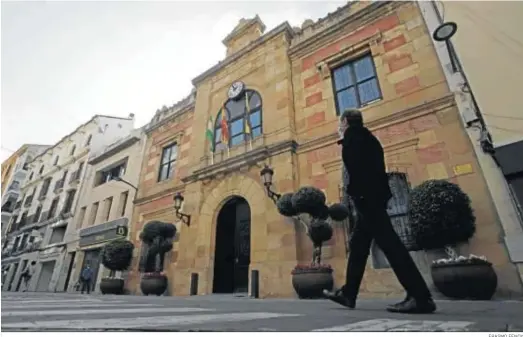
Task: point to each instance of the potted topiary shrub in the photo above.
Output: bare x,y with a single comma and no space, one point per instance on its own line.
158,237
441,217
116,256
307,206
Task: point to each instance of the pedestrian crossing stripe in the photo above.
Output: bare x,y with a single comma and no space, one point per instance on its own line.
400,325
98,311
53,301
145,322
118,304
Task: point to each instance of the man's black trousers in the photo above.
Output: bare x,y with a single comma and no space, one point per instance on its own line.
86,286
374,223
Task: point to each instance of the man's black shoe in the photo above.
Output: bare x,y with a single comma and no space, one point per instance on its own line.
338,297
399,303
413,306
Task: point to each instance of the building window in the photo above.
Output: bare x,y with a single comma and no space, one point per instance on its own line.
56,160
123,202
355,84
169,155
94,211
81,217
88,141
31,176
57,235
41,169
36,216
108,203
45,188
243,118
69,201
397,210
53,208
111,173
73,149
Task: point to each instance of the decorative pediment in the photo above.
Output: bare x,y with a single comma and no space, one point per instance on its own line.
245,32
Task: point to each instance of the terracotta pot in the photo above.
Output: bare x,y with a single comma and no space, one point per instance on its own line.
475,280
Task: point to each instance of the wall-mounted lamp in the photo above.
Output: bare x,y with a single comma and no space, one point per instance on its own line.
443,34
178,201
266,173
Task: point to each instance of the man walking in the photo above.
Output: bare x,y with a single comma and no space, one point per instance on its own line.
366,182
85,279
27,274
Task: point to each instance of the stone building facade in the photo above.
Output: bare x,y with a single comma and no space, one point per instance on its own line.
290,84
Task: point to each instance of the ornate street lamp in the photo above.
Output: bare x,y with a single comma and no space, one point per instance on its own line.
266,173
178,202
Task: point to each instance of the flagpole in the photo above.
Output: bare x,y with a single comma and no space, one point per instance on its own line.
212,158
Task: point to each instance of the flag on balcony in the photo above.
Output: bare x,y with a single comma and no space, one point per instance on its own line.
247,120
225,127
209,133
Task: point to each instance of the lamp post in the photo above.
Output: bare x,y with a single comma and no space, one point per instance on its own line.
129,184
266,173
178,202
443,34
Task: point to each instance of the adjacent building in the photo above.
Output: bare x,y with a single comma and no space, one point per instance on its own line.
48,200
14,172
105,206
278,95
489,33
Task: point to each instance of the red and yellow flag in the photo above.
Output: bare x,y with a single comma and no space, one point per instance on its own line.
225,127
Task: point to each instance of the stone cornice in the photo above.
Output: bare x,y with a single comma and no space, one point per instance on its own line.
159,195
282,28
113,149
339,28
247,159
150,128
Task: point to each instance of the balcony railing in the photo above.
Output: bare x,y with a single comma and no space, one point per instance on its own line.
59,185
15,185
28,201
75,177
43,192
18,204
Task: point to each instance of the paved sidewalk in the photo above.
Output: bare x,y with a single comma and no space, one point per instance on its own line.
75,312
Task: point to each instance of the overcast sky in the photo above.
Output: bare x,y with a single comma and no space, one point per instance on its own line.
63,62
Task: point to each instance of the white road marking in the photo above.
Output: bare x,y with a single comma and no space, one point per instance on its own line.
54,301
79,305
99,311
399,325
146,322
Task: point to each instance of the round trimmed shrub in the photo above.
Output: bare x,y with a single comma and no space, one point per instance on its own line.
154,229
310,200
338,212
320,231
285,206
117,255
440,214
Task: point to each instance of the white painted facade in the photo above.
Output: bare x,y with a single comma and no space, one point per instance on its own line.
61,165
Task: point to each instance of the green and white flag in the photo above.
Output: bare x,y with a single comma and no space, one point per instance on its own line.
209,133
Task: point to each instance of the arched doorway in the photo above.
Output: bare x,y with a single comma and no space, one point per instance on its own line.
232,254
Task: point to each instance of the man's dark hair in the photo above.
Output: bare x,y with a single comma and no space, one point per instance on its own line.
353,117
33,263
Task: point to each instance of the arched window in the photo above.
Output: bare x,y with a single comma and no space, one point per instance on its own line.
73,148
244,120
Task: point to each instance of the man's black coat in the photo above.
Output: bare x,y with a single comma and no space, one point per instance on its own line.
363,158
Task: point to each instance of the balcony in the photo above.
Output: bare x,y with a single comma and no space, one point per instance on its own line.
28,201
75,177
59,186
15,186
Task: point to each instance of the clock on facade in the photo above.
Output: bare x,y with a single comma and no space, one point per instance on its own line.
236,90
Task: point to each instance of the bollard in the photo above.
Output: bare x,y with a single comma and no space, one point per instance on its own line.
255,283
194,284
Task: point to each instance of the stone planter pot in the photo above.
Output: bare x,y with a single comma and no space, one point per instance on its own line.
310,283
110,285
153,284
470,279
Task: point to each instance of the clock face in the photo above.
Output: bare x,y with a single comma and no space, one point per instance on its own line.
236,89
